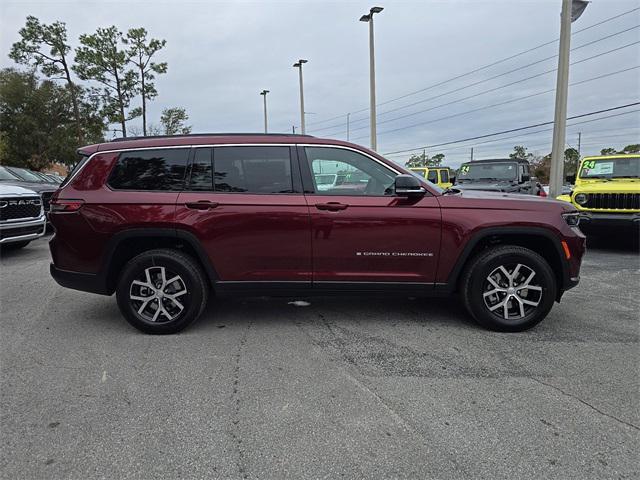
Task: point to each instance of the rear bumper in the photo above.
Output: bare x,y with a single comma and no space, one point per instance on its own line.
595,221
86,282
22,231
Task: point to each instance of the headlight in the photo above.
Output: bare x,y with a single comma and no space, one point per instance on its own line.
581,199
572,218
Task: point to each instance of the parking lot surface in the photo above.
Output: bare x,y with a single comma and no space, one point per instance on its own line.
341,388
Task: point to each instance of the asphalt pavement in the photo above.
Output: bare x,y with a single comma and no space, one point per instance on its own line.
341,388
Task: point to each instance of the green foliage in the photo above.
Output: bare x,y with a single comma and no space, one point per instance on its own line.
633,148
37,124
608,151
100,58
571,161
140,52
520,153
173,121
45,47
541,168
423,160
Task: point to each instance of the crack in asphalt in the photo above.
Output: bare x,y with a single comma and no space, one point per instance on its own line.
584,402
235,405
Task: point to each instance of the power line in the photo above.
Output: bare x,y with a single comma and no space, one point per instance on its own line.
402,107
484,67
506,102
517,129
506,140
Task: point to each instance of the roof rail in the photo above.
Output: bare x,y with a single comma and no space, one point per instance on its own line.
218,134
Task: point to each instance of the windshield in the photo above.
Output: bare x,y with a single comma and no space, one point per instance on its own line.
6,175
26,175
628,167
488,171
325,179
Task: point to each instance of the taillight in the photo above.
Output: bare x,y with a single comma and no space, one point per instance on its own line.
66,205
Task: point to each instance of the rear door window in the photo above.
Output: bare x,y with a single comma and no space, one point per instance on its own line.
444,176
263,169
201,176
161,169
433,176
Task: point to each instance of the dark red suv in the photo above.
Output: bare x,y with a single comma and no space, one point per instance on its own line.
165,221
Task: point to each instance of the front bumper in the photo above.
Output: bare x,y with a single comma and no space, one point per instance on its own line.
22,231
590,221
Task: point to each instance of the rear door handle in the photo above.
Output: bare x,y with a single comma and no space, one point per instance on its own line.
331,206
201,205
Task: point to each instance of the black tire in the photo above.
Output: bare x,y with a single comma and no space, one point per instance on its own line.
15,245
510,303
172,264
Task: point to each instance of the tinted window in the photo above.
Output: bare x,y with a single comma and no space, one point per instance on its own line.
150,170
252,169
444,176
202,170
356,174
433,176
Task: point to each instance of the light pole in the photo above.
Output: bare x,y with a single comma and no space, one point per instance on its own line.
298,65
571,10
264,98
372,75
348,115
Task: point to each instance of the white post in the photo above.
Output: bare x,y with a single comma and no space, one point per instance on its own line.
372,86
302,126
556,174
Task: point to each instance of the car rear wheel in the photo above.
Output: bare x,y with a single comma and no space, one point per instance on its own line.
509,288
161,291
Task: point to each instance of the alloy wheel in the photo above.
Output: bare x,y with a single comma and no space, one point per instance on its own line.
511,291
159,295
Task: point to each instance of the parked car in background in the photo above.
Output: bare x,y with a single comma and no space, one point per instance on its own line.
22,217
607,193
164,222
440,176
10,176
498,175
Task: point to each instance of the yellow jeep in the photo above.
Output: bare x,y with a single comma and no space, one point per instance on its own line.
607,192
441,176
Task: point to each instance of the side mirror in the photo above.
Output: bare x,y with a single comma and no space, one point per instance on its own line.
452,180
408,186
570,179
526,178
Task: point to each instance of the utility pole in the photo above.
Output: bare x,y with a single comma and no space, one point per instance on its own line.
298,65
579,142
264,97
293,127
571,10
471,155
372,75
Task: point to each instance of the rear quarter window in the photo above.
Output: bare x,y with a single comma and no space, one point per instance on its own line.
161,169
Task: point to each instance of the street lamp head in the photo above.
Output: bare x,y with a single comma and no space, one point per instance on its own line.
264,92
365,18
299,63
376,10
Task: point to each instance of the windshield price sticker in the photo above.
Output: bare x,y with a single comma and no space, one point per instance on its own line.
464,169
598,168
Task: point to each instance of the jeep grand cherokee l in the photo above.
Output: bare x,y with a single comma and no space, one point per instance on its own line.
164,222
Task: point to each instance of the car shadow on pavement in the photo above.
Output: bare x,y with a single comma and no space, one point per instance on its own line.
222,312
617,242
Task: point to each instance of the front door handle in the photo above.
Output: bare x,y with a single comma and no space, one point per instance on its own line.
331,206
201,205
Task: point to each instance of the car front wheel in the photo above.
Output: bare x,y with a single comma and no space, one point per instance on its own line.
509,288
161,291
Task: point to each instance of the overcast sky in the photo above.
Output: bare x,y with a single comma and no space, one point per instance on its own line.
222,54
